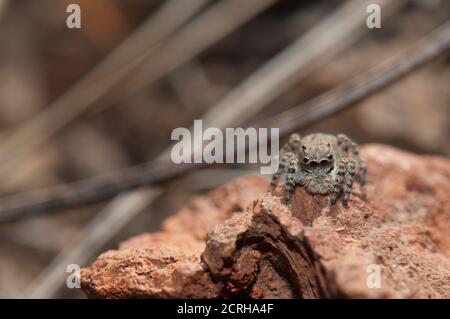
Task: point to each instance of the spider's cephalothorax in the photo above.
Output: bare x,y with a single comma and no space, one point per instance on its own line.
322,164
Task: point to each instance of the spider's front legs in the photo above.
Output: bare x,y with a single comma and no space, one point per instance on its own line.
292,146
277,174
291,176
338,182
349,177
362,174
347,145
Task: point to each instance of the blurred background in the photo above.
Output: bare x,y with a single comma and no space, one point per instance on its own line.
76,103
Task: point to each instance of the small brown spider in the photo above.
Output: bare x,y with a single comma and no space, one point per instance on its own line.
322,164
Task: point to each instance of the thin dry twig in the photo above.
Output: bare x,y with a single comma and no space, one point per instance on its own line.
93,190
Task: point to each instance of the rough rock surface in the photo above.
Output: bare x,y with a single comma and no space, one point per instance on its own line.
239,241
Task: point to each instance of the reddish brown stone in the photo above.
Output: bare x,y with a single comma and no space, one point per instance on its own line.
216,247
167,264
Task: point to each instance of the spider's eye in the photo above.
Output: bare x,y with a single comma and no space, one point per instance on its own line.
330,157
323,163
305,160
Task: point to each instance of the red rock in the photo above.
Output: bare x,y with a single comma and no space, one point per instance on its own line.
239,241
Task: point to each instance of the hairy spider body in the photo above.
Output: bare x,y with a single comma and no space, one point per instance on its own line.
322,164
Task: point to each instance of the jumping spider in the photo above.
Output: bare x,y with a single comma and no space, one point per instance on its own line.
322,164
